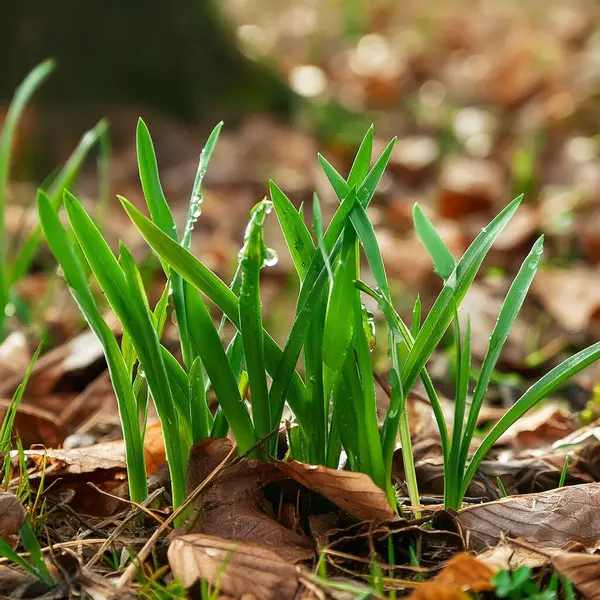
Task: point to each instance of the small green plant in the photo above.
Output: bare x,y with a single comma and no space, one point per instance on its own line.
520,584
333,404
17,257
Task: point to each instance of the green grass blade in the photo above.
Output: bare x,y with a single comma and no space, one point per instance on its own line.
416,317
339,330
32,546
454,290
196,196
442,258
252,258
207,344
528,400
295,232
202,278
362,161
62,182
508,314
121,291
200,415
11,412
162,217
318,230
7,136
59,244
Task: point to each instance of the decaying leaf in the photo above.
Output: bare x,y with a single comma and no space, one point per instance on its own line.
556,519
463,573
235,568
12,516
353,492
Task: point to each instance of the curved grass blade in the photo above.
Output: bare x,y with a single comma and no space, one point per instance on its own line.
508,313
443,261
125,298
9,128
59,244
362,160
537,392
202,278
62,182
195,209
318,229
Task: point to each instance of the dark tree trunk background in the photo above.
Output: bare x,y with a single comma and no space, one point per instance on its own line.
175,57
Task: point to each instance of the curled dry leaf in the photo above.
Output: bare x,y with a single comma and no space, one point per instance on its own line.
237,568
12,516
353,492
35,425
463,573
556,519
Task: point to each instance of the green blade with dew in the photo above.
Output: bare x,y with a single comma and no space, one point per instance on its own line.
537,392
59,244
253,256
63,181
125,298
203,279
295,232
508,313
443,261
195,207
162,217
7,138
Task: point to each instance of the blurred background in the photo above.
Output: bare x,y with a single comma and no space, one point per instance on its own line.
488,99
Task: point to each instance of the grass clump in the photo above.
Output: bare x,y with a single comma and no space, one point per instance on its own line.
333,403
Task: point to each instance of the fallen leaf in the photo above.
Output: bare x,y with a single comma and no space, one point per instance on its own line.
554,519
108,456
510,556
463,573
235,508
12,516
238,568
15,355
582,570
34,425
571,296
353,492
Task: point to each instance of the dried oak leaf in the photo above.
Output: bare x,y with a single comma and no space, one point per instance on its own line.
238,568
463,573
553,519
12,516
356,493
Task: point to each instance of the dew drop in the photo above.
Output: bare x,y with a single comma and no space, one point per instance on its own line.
272,258
10,309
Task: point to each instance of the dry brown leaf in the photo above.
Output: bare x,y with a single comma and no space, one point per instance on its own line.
554,519
12,516
510,556
235,507
353,492
582,570
463,573
239,568
15,355
35,425
108,456
571,296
